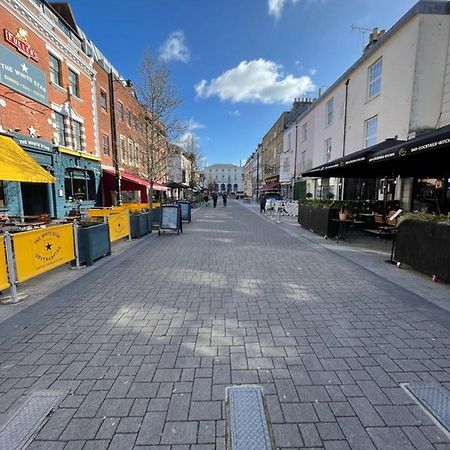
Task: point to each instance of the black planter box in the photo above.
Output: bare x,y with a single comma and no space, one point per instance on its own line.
93,243
140,224
319,220
425,246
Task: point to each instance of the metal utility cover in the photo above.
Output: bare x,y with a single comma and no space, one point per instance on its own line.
435,398
248,427
16,432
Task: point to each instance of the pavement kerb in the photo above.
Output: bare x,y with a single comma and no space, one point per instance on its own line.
32,313
420,303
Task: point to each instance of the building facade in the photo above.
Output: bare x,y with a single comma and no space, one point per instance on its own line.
47,106
398,89
224,178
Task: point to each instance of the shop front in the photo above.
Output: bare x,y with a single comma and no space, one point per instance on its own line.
77,183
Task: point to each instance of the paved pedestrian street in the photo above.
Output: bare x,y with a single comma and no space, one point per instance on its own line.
144,350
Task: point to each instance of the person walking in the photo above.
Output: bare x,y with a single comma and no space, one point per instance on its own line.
214,197
206,199
262,204
224,199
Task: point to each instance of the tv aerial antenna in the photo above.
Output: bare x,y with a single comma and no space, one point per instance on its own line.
362,32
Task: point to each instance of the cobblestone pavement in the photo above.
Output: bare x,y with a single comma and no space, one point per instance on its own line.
145,350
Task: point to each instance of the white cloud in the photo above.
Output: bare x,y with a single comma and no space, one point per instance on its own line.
175,48
276,6
235,113
192,125
312,72
256,81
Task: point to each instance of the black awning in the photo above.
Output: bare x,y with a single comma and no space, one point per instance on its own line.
427,155
353,165
174,185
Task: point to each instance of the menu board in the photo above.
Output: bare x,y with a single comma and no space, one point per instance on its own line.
170,218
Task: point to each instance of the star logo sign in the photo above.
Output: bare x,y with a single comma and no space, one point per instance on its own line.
24,68
32,131
48,246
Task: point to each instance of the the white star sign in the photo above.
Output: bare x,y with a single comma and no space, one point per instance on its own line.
24,68
32,131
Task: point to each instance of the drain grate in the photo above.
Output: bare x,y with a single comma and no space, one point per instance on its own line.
435,398
16,432
247,424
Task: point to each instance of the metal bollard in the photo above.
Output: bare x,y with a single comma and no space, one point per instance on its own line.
14,296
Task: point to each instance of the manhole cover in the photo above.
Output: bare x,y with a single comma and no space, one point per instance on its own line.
16,432
247,427
435,398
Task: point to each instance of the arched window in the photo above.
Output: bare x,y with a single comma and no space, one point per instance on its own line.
222,187
79,184
228,187
235,187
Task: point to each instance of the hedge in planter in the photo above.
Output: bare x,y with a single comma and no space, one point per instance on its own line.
93,242
319,220
425,246
140,224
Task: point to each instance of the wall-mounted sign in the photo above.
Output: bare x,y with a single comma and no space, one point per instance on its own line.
29,142
22,76
19,40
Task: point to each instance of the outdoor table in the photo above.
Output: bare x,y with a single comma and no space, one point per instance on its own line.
343,226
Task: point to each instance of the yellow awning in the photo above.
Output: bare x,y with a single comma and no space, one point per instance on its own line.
17,165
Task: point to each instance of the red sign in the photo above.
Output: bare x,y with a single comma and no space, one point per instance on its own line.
21,45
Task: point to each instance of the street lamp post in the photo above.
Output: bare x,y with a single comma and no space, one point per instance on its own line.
115,152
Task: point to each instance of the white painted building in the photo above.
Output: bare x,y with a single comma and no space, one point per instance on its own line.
399,87
179,167
224,178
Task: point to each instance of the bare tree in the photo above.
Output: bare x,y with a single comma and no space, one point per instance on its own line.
159,123
192,151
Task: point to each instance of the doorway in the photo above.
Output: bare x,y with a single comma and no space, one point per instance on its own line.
35,199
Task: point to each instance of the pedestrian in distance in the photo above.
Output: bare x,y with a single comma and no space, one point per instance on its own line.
206,199
224,199
214,197
262,204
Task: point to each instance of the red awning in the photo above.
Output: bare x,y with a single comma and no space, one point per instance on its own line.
270,187
137,180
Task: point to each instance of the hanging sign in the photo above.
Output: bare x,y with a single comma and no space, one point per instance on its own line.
19,40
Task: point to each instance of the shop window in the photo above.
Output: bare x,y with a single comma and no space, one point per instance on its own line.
76,135
79,185
105,144
60,130
2,195
103,100
74,84
55,70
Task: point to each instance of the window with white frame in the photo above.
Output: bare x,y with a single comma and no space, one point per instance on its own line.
374,81
130,151
327,149
304,132
74,83
370,131
123,148
120,111
60,130
55,70
103,100
330,107
76,135
105,144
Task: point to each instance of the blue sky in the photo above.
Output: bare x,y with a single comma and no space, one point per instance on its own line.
236,63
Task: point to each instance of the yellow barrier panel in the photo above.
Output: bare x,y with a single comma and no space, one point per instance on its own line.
119,226
38,251
4,282
101,212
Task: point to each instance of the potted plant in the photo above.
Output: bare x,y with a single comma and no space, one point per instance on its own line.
140,223
93,241
343,212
